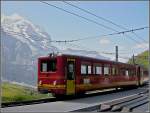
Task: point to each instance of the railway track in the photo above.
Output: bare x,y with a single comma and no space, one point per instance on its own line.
92,102
126,104
53,99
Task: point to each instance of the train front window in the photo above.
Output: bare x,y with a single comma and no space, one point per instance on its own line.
48,66
44,67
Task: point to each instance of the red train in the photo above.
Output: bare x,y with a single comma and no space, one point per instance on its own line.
64,74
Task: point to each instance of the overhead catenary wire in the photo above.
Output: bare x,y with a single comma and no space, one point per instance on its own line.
90,37
139,37
115,33
120,57
102,52
78,46
125,57
65,41
70,44
102,18
109,53
90,20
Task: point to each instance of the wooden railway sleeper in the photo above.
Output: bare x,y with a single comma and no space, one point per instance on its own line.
131,107
108,106
124,104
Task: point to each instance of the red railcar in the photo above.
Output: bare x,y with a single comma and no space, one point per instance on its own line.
69,74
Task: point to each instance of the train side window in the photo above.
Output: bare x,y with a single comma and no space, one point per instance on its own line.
127,73
106,70
86,69
97,70
113,70
83,69
89,69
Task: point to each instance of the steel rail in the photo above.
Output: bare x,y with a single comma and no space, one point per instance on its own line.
126,104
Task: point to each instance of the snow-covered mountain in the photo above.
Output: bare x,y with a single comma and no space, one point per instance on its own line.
27,33
22,43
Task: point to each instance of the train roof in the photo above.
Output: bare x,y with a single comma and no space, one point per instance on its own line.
87,57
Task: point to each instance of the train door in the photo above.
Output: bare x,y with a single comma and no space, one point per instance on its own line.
70,77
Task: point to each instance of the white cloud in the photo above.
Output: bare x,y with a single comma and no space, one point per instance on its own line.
142,46
104,41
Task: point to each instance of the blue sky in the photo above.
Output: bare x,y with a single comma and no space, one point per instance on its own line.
63,26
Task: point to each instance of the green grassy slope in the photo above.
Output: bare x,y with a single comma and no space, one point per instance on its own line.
13,93
141,59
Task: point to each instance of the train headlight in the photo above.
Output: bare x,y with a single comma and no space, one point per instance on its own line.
54,83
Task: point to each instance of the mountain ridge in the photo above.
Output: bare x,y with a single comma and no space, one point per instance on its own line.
20,48
22,43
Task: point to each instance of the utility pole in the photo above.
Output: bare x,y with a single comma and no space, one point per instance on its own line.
116,53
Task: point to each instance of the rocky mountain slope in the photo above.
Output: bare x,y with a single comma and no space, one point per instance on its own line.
22,43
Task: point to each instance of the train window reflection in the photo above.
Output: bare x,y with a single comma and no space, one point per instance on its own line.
106,70
113,71
44,67
70,67
89,69
86,69
98,70
127,73
83,69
